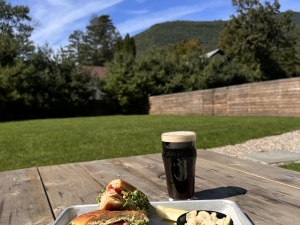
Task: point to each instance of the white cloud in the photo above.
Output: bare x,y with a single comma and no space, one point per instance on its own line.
137,11
60,18
58,2
149,19
58,22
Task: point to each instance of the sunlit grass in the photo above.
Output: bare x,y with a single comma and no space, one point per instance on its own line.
55,141
292,166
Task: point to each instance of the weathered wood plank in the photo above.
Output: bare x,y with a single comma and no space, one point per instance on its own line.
258,187
274,173
260,212
257,210
69,184
267,194
145,175
210,186
215,186
257,196
23,199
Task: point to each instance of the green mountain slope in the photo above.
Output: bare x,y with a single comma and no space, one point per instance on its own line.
206,32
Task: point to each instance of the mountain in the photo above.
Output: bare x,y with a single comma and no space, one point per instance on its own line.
160,35
206,32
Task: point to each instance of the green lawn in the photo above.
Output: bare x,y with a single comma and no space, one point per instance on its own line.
54,141
292,166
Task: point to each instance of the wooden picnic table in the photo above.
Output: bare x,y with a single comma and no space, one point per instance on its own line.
266,194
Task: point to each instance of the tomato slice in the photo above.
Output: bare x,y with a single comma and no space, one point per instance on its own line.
116,189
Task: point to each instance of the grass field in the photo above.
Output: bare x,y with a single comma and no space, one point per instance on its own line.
292,166
31,143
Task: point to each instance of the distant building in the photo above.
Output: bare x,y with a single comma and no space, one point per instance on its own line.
212,53
96,72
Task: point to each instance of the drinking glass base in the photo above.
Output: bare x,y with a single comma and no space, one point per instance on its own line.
193,198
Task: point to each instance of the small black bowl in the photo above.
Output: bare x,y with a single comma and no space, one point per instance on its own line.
182,219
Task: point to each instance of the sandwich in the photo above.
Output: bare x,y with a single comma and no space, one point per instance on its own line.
107,217
120,195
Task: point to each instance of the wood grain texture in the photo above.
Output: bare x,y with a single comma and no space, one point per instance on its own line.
67,185
23,199
267,190
270,98
143,174
267,194
260,212
273,173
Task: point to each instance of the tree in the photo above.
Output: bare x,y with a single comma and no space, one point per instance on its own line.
221,72
15,46
184,47
100,40
15,31
51,86
121,90
75,46
129,81
261,38
127,45
8,92
45,85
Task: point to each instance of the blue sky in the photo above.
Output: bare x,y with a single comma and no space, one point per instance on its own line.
59,18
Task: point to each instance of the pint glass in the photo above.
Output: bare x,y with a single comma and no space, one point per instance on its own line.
179,156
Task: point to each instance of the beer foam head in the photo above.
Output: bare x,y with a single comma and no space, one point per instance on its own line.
178,136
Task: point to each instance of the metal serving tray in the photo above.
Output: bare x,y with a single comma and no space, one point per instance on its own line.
223,206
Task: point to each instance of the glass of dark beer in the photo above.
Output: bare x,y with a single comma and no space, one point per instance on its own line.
179,157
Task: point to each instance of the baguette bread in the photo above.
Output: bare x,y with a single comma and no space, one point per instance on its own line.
111,201
119,195
106,217
122,184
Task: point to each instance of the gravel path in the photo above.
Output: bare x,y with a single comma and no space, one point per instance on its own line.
285,142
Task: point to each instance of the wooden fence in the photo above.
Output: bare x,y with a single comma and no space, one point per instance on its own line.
270,98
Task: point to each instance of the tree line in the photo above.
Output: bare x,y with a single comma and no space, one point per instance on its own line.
163,34
259,42
36,82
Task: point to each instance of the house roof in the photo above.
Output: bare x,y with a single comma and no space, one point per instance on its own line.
212,53
97,71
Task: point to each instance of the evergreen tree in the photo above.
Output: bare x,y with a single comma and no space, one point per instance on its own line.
258,37
51,86
220,72
15,46
129,81
100,40
15,31
127,45
121,92
76,45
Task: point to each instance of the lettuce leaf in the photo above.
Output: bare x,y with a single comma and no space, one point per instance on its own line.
100,194
136,200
